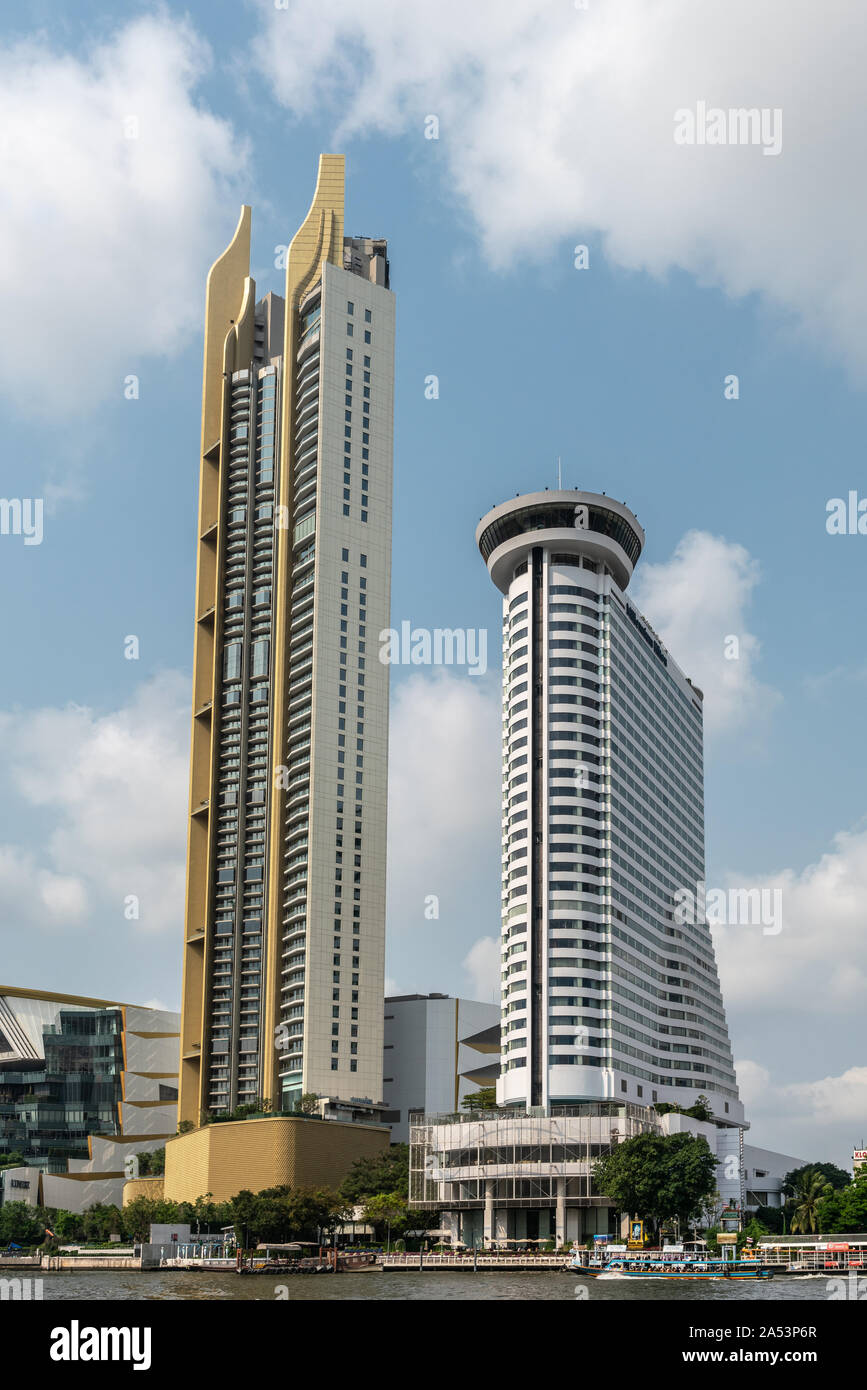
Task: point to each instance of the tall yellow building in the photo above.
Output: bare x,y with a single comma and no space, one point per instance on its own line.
285,910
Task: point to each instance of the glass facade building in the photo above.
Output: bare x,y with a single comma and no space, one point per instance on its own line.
49,1105
85,1086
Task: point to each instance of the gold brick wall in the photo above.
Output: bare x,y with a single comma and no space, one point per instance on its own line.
225,1159
152,1188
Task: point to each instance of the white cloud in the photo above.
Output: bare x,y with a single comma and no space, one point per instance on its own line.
104,240
834,1100
817,963
482,963
444,790
753,1082
558,122
443,825
32,895
698,601
113,788
818,1120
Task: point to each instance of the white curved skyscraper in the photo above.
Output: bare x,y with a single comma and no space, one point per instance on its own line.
605,993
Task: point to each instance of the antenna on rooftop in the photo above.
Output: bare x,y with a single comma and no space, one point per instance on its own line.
559,474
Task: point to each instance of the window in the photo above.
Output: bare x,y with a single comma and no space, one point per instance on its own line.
349,330
232,661
261,657
350,307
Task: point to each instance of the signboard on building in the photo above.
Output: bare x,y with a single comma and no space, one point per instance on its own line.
20,1185
636,1235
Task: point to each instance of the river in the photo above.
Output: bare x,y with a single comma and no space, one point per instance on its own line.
399,1286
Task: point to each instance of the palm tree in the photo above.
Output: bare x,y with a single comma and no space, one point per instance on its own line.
809,1190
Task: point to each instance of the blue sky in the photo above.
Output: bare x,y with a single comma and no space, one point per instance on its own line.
702,263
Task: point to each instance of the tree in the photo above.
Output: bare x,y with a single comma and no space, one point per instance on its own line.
205,1213
308,1103
843,1211
313,1211
771,1218
754,1229
144,1212
151,1164
837,1177
809,1189
244,1210
700,1110
658,1177
15,1159
829,1213
20,1224
388,1171
387,1213
271,1217
66,1225
483,1099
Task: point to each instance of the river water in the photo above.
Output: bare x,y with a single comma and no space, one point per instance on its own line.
399,1286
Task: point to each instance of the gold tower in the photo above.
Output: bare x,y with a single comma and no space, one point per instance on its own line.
293,569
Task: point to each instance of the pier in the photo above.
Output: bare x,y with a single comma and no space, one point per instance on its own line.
473,1260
